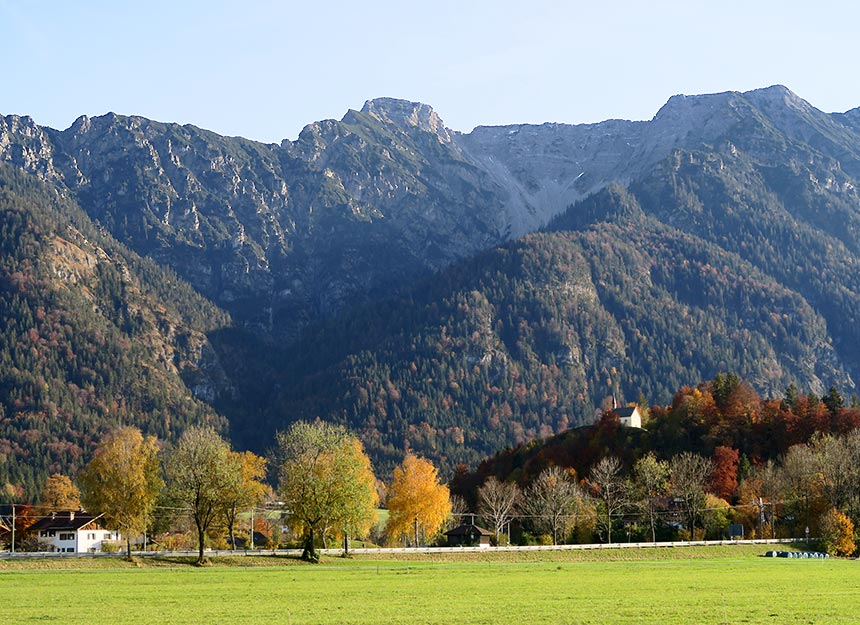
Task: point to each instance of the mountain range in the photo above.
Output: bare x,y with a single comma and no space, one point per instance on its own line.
449,293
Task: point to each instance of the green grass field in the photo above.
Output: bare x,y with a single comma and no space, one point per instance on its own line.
643,586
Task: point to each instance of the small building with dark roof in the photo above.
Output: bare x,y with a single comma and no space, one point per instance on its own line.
468,535
629,416
71,531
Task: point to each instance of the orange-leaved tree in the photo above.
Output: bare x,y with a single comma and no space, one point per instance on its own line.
418,503
724,475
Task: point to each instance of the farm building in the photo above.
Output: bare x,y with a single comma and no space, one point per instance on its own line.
468,535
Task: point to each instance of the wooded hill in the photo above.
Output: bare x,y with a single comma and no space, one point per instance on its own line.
725,412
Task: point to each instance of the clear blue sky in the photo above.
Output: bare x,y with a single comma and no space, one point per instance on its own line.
264,69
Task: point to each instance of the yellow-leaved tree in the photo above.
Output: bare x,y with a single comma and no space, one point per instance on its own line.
123,481
417,503
59,493
202,472
245,493
837,533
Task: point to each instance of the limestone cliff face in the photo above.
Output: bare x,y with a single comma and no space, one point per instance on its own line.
544,169
353,209
280,235
28,146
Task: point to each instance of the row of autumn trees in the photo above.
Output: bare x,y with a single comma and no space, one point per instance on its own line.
561,507
813,490
324,480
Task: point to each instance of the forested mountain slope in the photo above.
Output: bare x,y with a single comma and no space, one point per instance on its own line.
93,336
530,338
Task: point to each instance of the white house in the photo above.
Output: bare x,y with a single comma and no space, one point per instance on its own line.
73,532
629,416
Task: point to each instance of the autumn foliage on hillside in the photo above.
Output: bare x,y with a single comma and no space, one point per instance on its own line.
723,419
785,467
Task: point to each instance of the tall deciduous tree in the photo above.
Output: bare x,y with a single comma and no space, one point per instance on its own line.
724,475
497,502
326,481
123,481
59,493
418,503
688,475
201,472
612,489
838,460
651,480
801,485
837,533
246,492
552,501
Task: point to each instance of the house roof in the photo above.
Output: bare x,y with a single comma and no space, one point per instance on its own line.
626,412
64,521
468,529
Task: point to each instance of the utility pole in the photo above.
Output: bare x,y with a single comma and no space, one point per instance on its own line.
251,532
13,528
416,531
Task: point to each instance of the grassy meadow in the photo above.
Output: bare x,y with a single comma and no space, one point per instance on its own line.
669,586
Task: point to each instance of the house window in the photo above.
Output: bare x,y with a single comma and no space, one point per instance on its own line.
91,536
67,536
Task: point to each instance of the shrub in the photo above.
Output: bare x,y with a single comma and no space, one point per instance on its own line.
837,534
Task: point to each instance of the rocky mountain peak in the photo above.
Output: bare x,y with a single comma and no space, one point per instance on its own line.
851,118
81,125
407,115
777,95
25,144
776,100
685,108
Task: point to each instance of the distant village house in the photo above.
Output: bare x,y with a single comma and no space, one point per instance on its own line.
73,532
468,535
